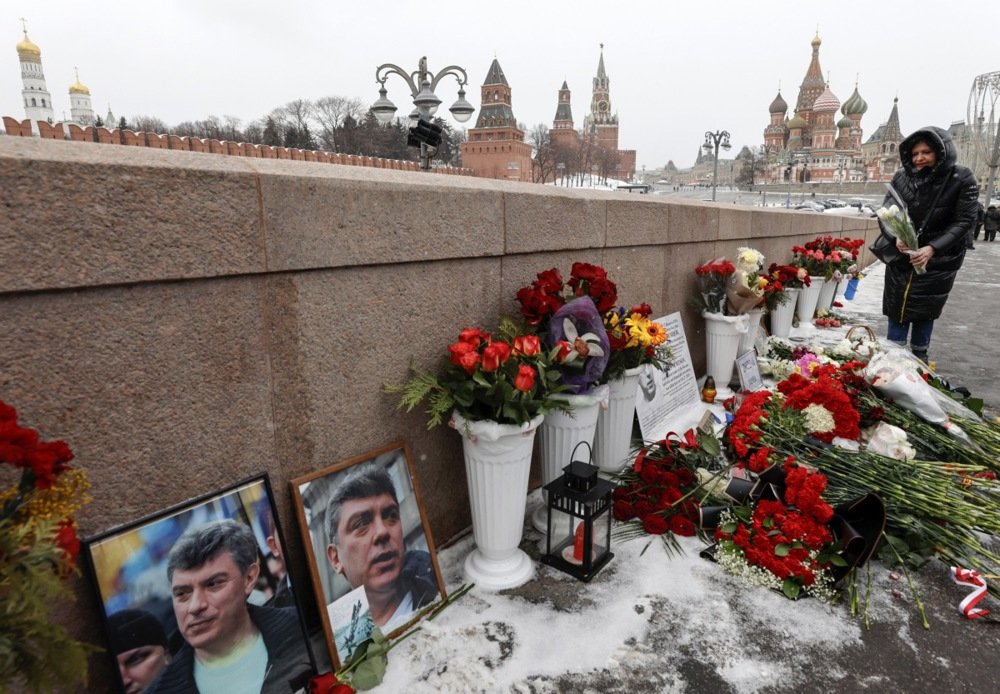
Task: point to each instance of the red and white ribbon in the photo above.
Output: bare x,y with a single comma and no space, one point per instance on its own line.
971,578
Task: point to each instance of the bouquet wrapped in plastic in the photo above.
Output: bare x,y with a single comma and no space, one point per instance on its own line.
898,379
898,220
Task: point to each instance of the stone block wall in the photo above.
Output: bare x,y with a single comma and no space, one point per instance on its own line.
186,321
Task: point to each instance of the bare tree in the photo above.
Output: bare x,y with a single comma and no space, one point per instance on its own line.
231,129
329,112
299,112
543,162
149,124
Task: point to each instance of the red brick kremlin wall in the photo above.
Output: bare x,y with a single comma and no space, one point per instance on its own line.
72,131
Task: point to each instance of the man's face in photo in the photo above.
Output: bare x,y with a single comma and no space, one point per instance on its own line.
140,666
210,603
369,545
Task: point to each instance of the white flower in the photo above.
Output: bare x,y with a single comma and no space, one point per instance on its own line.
583,346
891,441
749,260
818,418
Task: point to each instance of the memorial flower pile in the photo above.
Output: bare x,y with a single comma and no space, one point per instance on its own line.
783,543
38,550
507,379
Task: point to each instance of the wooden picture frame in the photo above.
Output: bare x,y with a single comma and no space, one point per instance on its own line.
166,595
382,570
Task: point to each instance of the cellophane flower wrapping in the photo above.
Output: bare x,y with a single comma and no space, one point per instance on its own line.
899,223
589,327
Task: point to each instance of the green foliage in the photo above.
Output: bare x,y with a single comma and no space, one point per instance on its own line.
34,652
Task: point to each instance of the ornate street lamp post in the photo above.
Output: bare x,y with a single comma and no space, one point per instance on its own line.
422,83
720,138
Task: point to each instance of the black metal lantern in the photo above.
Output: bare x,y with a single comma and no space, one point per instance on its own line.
582,546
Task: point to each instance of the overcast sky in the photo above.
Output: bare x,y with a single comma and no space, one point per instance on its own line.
677,69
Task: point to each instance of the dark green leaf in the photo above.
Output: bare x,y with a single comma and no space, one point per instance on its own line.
790,588
781,550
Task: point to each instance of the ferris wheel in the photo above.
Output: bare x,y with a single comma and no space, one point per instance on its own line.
983,119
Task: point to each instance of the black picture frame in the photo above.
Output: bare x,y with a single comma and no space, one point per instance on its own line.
127,566
344,608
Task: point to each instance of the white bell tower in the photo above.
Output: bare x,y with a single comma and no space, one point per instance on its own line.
37,100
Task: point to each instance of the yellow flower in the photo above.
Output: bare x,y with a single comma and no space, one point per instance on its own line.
644,332
656,332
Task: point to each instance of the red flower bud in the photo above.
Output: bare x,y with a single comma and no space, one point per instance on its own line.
528,345
525,379
495,354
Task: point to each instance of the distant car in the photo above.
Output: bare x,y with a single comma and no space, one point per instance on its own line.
810,206
832,202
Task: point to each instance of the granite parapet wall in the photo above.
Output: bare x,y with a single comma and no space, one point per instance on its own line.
185,321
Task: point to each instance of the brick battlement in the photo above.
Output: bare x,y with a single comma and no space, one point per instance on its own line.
104,136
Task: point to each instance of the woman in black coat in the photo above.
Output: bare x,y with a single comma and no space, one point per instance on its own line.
942,200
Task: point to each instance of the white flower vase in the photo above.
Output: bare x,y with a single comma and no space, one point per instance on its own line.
782,315
722,341
826,294
613,437
559,435
805,309
748,339
841,288
497,465
753,324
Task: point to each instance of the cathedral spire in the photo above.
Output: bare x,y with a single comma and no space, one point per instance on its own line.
601,74
892,129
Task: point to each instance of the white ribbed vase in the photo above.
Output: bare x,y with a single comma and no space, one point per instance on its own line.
805,309
614,423
826,295
782,315
561,433
748,338
497,464
722,340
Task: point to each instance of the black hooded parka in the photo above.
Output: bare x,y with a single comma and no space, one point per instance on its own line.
909,296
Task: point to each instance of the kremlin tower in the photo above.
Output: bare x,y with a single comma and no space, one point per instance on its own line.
37,100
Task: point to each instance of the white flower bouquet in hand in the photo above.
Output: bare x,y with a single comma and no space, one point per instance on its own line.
898,220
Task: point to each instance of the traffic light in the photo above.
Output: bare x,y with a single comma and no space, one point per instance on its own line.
424,132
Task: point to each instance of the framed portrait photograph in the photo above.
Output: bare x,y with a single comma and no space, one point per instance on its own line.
370,549
197,598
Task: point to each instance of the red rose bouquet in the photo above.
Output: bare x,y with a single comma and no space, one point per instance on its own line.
659,494
38,549
713,277
788,276
507,379
547,294
839,254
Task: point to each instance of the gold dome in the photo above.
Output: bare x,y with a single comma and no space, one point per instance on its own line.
26,49
816,40
78,88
